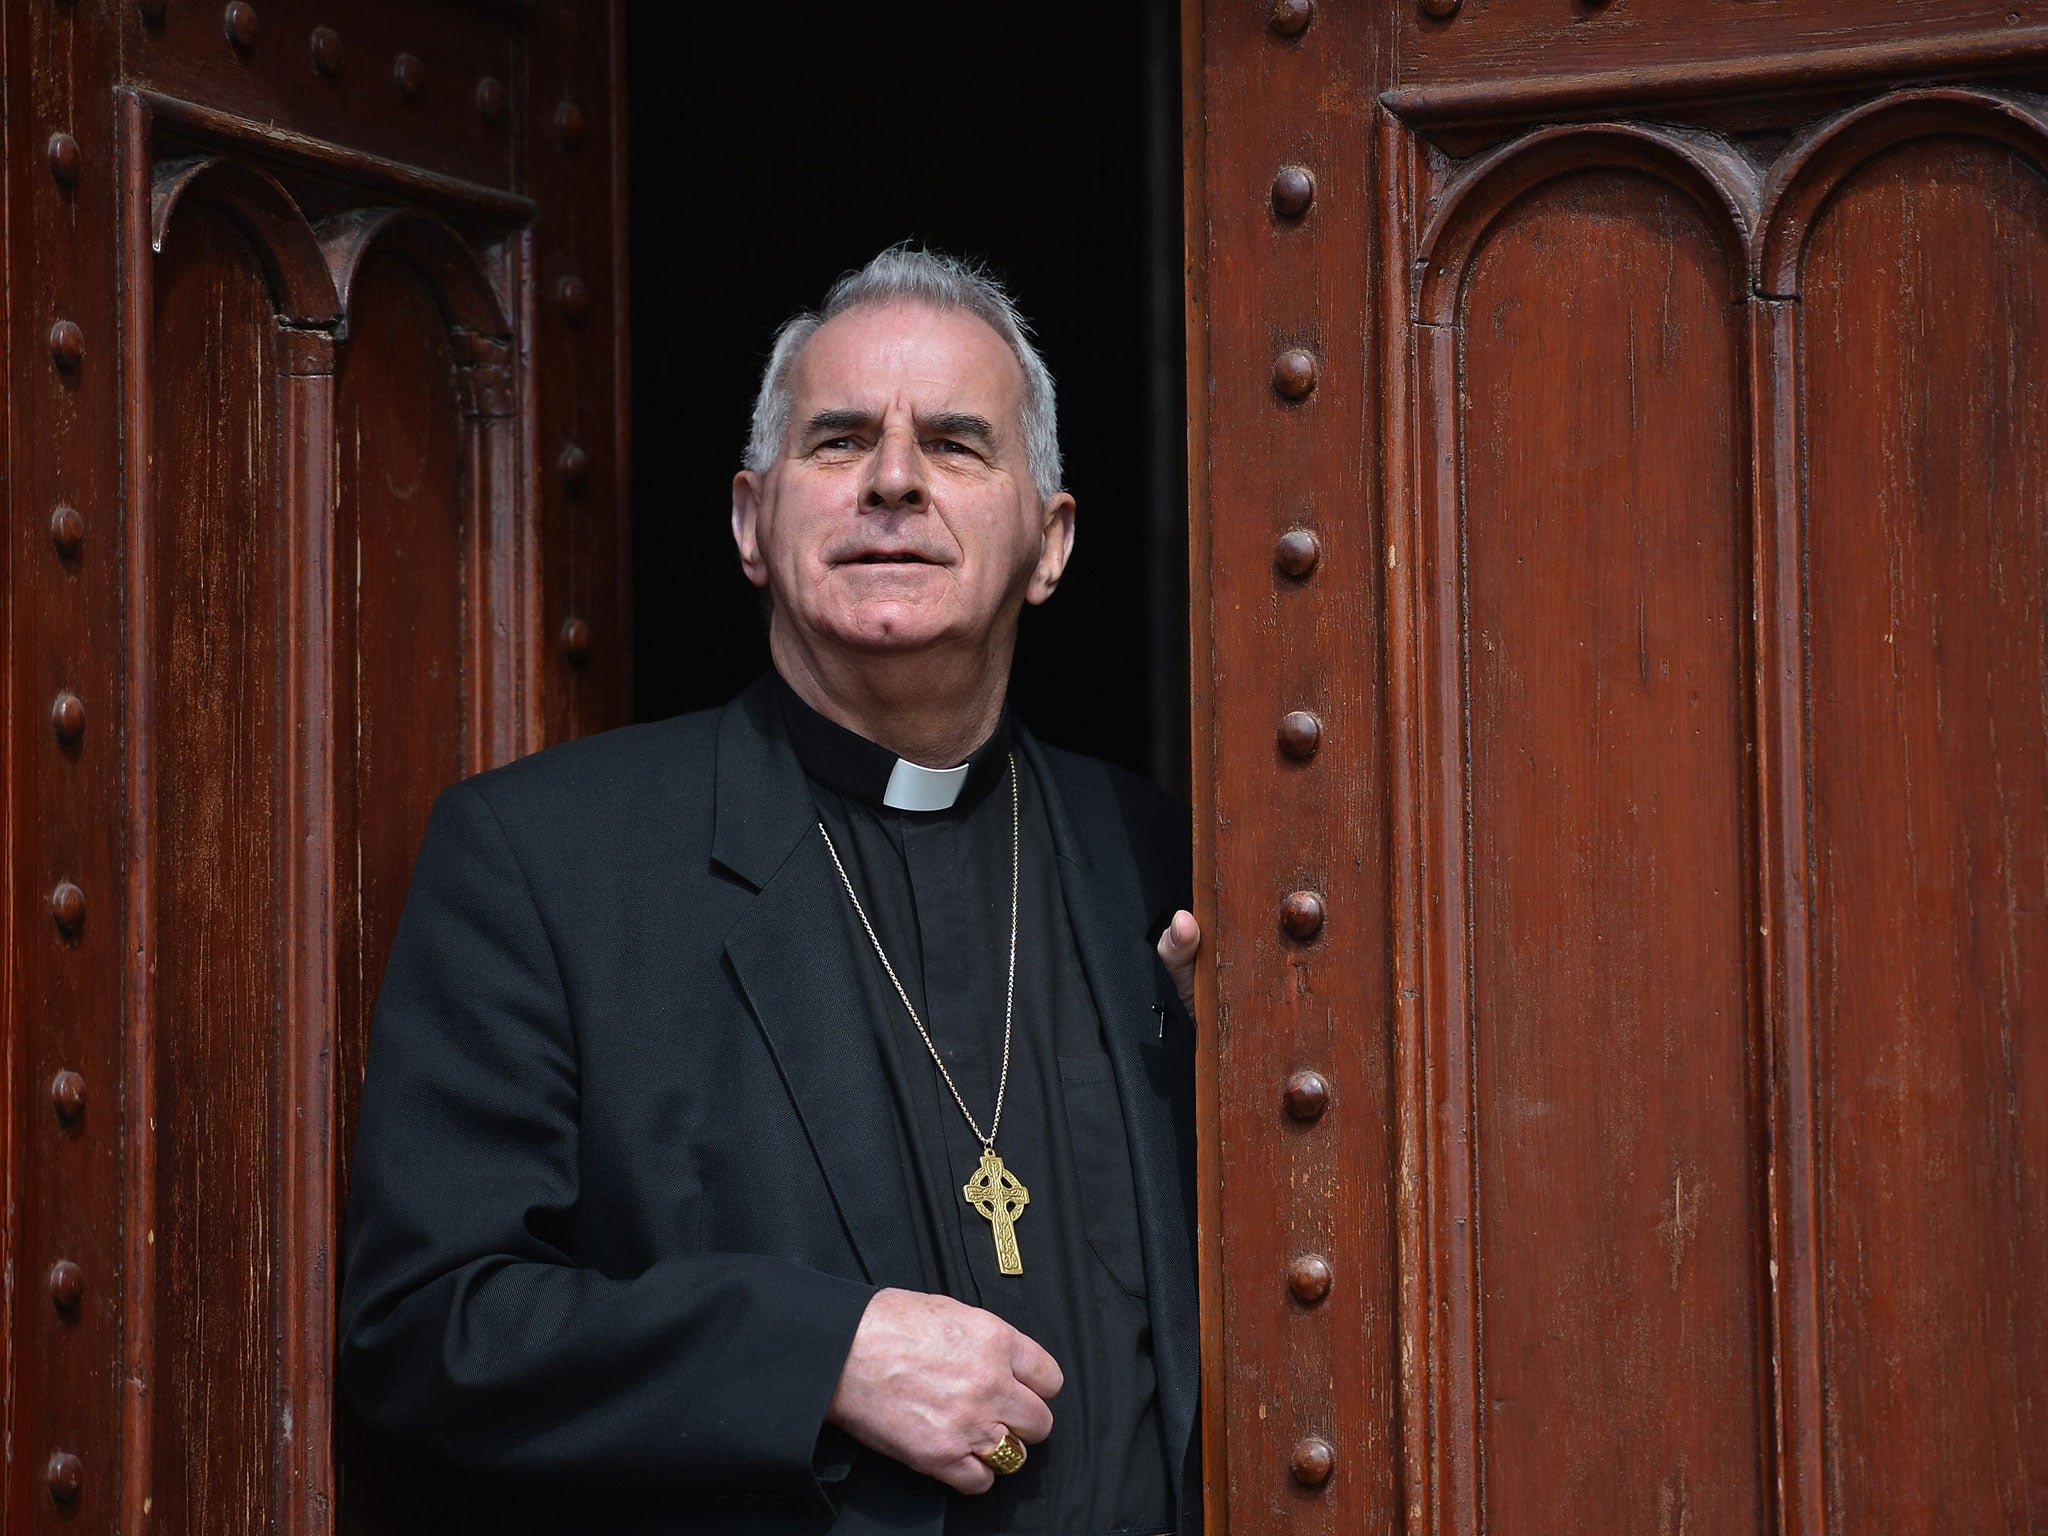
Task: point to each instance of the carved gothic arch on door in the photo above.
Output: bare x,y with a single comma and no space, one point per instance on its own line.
373,485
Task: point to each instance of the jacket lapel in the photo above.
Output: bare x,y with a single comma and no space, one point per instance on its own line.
1106,907
790,954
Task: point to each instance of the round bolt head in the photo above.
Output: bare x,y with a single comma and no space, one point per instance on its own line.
65,159
67,1096
490,100
239,23
67,345
575,466
1297,553
1294,374
325,49
1300,734
1313,1461
67,532
408,77
1307,1095
573,294
1290,18
67,1287
1308,1278
67,908
67,718
569,125
1293,190
1301,915
66,1477
576,640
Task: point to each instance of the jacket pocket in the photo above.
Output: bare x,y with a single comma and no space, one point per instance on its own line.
1102,1166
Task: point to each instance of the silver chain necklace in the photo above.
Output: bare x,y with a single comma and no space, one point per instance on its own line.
994,1192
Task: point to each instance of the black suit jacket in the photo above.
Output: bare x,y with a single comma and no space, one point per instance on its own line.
626,1176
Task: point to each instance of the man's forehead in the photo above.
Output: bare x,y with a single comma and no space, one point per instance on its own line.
872,353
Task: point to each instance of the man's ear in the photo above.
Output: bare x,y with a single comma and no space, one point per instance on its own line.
1056,545
746,525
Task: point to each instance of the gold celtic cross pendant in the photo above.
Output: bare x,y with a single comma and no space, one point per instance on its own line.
995,1192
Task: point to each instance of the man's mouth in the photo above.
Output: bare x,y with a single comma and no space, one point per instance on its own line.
900,557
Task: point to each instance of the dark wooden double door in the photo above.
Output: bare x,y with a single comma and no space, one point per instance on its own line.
1621,428
1661,386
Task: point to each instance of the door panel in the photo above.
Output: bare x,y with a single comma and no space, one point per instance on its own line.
217,690
402,527
1604,495
412,529
1691,1024
403,523
1925,313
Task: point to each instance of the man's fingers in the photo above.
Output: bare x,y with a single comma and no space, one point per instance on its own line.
970,1474
1030,1364
1028,1418
1177,947
1183,936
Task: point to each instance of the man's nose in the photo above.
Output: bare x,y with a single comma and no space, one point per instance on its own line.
896,474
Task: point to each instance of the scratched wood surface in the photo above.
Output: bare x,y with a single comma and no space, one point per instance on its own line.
218,681
1706,660
404,527
65,991
1603,482
1925,314
1502,38
1502,61
1284,1372
356,103
402,667
296,534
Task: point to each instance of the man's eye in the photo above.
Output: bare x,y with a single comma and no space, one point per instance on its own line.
948,445
840,442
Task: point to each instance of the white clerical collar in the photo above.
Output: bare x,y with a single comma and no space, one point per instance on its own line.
848,763
912,788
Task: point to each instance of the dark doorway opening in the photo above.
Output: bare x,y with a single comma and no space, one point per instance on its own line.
773,149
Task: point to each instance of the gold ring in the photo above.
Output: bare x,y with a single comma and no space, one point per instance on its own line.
1006,1456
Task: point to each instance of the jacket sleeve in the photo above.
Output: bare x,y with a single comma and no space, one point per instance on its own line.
467,1327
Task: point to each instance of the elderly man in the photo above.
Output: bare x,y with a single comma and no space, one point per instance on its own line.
779,1118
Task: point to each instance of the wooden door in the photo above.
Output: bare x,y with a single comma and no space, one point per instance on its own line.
316,494
1621,588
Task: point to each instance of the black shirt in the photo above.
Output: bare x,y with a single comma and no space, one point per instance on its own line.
936,887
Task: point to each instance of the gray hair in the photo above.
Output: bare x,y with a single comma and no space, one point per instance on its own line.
941,282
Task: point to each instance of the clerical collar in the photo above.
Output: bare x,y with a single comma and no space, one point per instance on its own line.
848,762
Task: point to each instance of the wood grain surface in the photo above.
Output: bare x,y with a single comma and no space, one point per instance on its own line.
218,687
1282,1372
1731,61
289,532
1604,689
1501,39
1924,311
1700,486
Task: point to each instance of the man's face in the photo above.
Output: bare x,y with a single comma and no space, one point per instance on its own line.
902,514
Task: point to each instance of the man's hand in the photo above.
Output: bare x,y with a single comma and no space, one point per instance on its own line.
1177,947
931,1381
